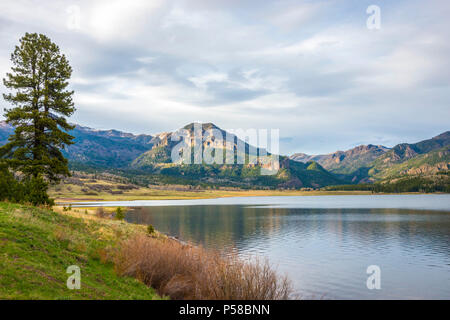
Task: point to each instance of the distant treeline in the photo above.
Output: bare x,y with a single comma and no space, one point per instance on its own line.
187,175
409,184
191,176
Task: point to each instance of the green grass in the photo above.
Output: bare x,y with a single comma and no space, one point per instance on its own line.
37,246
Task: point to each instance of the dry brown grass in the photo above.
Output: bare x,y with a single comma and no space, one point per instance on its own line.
187,272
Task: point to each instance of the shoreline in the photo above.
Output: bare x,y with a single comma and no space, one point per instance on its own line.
63,201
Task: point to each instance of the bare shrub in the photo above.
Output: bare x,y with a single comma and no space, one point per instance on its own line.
127,187
187,272
101,213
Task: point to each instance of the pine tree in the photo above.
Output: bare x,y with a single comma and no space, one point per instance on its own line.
41,103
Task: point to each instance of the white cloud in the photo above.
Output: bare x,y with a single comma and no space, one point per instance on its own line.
117,20
294,15
311,69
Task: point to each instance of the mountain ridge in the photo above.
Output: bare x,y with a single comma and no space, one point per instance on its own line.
345,162
385,166
150,156
369,163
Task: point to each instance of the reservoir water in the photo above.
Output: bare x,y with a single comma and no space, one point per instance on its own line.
324,243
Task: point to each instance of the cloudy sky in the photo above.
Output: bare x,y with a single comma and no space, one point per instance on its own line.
312,69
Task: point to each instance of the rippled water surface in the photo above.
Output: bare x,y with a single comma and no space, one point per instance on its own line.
324,243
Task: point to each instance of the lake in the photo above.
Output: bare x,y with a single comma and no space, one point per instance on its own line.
323,243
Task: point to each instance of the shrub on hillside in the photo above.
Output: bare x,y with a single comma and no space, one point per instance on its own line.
120,214
8,185
35,191
29,190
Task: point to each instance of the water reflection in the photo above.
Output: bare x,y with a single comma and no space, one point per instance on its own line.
325,251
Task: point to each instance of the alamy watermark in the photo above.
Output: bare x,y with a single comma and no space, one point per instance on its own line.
374,279
74,17
374,20
214,146
74,280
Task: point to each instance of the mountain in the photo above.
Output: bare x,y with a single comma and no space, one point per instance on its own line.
106,148
376,163
164,143
427,155
103,148
430,163
345,162
147,159
291,174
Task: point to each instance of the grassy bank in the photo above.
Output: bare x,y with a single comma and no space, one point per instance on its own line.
118,260
37,246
